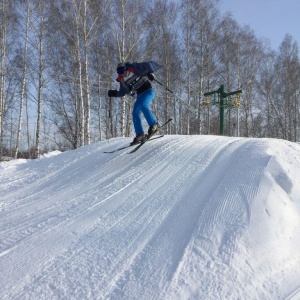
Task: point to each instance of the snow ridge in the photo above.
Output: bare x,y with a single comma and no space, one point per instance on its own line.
185,217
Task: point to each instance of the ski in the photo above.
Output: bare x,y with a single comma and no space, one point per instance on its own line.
148,138
128,146
118,149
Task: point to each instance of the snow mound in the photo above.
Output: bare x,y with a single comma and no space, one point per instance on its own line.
185,217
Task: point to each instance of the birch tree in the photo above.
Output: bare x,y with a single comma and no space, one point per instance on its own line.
287,66
24,77
265,87
200,23
38,43
4,4
163,46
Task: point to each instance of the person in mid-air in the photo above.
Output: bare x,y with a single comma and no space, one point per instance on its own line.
135,78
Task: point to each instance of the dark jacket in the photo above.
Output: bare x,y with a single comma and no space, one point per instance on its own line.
137,81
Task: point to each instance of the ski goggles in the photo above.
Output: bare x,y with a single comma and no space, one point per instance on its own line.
121,70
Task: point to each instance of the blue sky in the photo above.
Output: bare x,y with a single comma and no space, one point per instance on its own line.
270,19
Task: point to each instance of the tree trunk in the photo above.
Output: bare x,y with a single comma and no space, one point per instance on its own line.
87,84
40,97
23,89
3,71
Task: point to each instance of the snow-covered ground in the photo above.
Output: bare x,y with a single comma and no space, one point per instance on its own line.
185,217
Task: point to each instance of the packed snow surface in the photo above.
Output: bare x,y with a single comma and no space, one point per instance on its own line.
185,217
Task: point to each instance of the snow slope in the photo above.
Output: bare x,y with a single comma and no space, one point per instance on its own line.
185,217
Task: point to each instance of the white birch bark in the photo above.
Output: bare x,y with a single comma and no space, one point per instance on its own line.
3,70
23,89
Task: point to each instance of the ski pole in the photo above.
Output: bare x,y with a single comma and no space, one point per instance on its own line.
164,86
178,98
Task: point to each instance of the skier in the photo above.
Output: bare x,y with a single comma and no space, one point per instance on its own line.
135,78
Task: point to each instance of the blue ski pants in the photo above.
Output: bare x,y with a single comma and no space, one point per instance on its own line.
141,104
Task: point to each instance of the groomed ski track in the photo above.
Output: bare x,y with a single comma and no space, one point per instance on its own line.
185,217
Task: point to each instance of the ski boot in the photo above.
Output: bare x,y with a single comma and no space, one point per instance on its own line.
152,130
137,139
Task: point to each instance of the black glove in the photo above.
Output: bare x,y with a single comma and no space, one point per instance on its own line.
150,76
112,93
